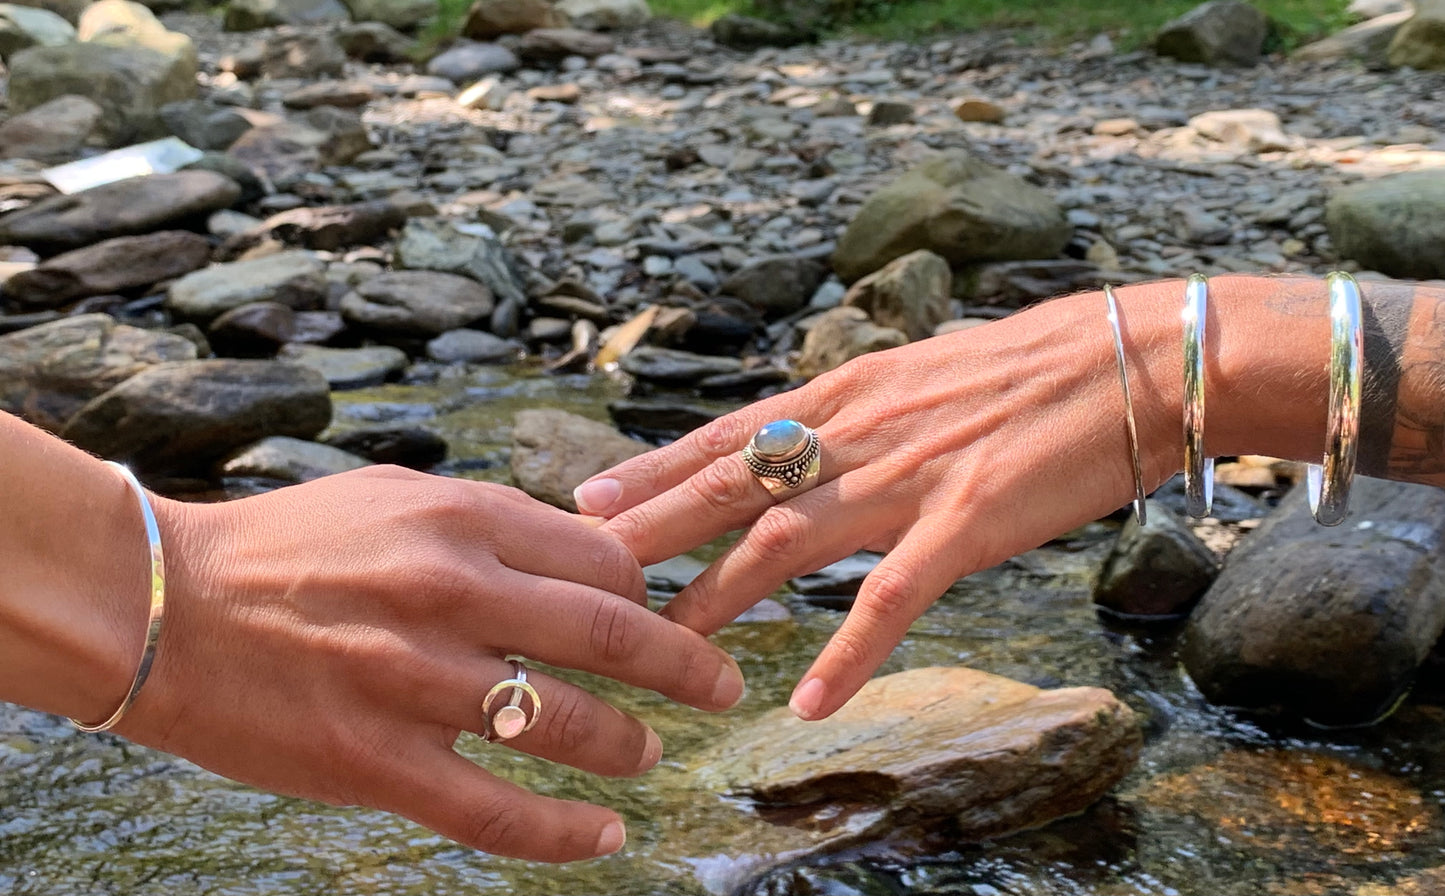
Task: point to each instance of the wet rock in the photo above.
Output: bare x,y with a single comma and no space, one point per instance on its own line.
1394,224
554,451
254,330
1156,571
545,45
1230,504
251,15
749,33
52,131
49,371
839,336
674,367
130,84
909,294
116,265
776,286
1220,32
403,15
296,279
658,420
290,460
1420,42
604,15
957,207
746,383
1325,623
22,27
1274,802
374,42
349,368
468,61
890,112
123,208
417,303
840,579
177,416
406,447
472,250
981,754
472,347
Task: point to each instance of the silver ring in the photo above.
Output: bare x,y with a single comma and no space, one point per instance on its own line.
785,456
510,720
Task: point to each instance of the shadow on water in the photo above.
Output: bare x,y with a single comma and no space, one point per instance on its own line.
1218,803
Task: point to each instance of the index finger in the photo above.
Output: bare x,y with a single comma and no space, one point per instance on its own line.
646,476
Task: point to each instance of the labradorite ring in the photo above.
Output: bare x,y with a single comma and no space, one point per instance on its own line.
785,457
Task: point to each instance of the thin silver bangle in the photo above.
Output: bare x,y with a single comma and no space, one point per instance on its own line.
158,603
1139,494
1198,467
1329,483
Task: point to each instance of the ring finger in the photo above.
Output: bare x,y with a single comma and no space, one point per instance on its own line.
567,724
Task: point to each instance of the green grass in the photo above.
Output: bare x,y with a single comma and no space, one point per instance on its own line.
1131,22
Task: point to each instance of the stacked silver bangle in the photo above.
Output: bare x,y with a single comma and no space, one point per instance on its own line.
1329,481
1198,468
1133,430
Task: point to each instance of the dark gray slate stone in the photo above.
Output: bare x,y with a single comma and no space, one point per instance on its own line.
178,417
1326,623
1159,570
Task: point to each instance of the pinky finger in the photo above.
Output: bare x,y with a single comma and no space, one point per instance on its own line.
450,795
894,595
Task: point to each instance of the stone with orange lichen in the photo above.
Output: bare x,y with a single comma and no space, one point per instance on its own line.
1298,803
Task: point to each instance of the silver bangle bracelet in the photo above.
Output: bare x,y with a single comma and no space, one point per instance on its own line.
1329,482
1139,494
158,603
1198,467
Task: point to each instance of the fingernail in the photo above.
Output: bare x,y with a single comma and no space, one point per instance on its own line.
597,495
807,699
729,687
613,838
652,752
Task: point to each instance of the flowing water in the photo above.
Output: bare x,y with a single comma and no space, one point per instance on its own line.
1218,803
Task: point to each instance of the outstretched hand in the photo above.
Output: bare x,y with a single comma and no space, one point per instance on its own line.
951,454
332,640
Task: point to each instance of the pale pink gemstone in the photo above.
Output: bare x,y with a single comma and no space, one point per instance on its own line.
509,721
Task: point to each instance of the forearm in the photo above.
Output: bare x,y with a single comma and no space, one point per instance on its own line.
1266,372
73,597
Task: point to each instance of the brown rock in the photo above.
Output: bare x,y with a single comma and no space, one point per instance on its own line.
52,131
493,18
112,266
554,451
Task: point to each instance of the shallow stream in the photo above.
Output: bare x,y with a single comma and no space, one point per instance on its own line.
1218,803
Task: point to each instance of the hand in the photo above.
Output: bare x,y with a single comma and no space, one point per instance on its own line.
953,454
332,640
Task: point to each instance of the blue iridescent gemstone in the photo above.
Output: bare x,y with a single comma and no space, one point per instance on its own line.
779,439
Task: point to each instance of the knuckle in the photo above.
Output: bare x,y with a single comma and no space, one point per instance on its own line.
721,436
718,485
778,536
889,592
571,725
613,632
494,826
616,569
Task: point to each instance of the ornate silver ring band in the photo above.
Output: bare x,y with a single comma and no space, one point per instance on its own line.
786,457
